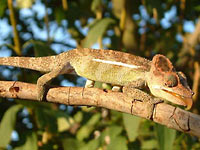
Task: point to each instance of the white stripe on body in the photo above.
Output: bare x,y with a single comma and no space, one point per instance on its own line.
117,63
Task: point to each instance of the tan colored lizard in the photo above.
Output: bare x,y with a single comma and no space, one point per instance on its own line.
117,68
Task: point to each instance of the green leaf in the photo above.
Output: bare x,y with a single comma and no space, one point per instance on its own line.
59,15
40,48
115,115
78,117
91,145
96,5
8,124
30,144
197,8
97,31
3,5
71,144
45,118
63,124
112,131
165,137
118,143
146,128
86,129
131,124
150,144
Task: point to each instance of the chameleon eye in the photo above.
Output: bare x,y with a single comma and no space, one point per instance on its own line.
171,80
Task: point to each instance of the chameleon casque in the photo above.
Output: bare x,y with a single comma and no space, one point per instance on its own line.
114,67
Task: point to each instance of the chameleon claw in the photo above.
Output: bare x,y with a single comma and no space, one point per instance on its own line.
116,88
89,83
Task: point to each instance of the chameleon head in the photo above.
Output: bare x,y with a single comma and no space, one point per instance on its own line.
164,82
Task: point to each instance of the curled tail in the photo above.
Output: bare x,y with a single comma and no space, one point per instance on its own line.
43,64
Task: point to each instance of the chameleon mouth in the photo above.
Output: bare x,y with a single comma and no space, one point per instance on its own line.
186,101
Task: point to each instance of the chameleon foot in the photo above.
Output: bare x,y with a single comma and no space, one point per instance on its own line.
151,106
42,87
138,95
117,88
89,84
41,92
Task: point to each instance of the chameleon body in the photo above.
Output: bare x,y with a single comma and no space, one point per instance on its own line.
116,68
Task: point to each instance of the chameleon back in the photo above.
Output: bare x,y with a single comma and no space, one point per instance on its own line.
108,66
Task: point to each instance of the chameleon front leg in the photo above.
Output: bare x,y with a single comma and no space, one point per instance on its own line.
45,79
90,84
138,84
138,95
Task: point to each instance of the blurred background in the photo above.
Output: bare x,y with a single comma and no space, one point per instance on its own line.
47,27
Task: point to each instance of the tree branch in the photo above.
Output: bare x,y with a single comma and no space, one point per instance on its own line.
164,114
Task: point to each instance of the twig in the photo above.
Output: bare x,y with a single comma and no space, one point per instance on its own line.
196,80
17,47
189,43
46,20
165,114
64,4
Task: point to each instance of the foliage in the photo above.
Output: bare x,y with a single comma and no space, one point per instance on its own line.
142,27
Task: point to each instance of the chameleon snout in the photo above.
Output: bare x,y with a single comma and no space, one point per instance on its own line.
185,100
177,96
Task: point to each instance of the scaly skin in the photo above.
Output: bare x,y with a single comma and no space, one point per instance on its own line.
96,65
113,67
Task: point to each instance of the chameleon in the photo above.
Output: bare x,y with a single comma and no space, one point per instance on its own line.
113,67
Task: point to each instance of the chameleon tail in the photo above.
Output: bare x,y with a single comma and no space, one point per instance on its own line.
43,64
